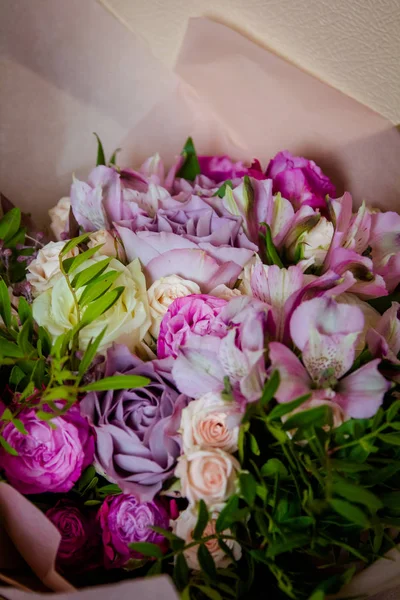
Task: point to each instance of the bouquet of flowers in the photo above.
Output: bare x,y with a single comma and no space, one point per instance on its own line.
200,376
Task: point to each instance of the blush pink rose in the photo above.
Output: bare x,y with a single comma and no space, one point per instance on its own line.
208,475
190,317
210,422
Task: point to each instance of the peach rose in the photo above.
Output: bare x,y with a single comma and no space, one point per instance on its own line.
184,526
59,216
210,422
208,475
162,293
111,246
44,270
222,291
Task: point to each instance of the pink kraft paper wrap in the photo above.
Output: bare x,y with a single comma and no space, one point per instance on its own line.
69,68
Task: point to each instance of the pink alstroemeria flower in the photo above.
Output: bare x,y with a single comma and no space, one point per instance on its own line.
384,340
368,284
385,244
326,333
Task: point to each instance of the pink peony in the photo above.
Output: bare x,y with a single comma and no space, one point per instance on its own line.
195,314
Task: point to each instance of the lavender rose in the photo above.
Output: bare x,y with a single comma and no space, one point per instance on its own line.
137,444
48,460
80,535
194,315
221,168
124,520
299,180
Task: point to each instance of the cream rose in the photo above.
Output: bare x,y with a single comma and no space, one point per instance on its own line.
59,216
209,475
111,246
316,242
210,422
44,270
127,321
245,276
184,526
222,291
162,293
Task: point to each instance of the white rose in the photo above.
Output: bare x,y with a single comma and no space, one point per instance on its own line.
210,422
222,291
209,475
162,293
44,270
316,242
127,321
184,526
59,216
111,246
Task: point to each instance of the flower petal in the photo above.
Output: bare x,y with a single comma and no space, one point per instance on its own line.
294,380
360,394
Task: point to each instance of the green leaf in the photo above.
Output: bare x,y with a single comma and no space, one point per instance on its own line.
191,166
90,353
9,449
101,158
89,274
227,515
116,382
274,467
248,487
393,410
25,311
270,389
356,493
222,190
10,349
390,438
278,434
206,562
72,263
73,243
350,512
348,466
5,304
298,522
96,309
113,158
98,288
312,417
92,502
317,595
7,415
283,409
20,426
272,255
111,489
88,474
45,340
9,224
209,592
202,520
16,376
287,544
254,447
38,373
23,339
147,549
155,569
181,571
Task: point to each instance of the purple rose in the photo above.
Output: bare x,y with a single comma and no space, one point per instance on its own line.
189,317
125,520
299,180
221,168
137,444
80,536
48,460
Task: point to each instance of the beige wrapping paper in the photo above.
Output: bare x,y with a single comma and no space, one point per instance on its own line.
68,69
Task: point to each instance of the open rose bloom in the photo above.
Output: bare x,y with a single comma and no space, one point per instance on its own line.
200,368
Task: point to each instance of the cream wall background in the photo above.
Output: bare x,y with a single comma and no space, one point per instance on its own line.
354,45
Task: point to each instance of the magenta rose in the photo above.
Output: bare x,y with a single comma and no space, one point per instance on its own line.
191,316
80,536
48,460
123,521
221,168
299,180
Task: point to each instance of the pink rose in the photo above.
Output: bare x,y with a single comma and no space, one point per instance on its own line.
208,475
190,316
210,422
